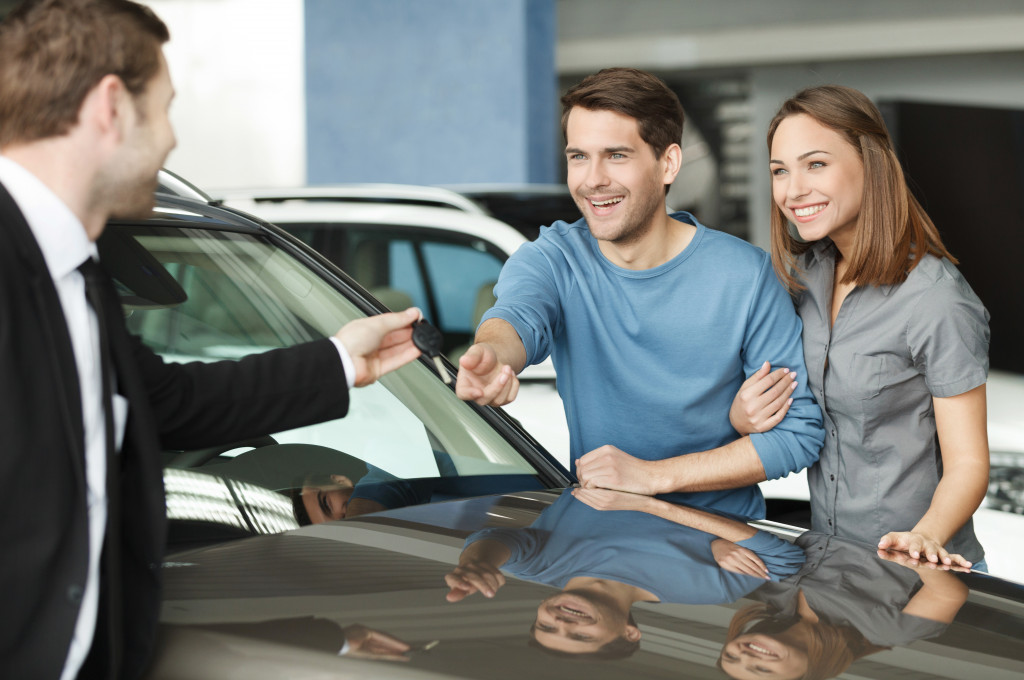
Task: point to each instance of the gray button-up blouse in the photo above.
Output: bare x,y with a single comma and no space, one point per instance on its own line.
891,350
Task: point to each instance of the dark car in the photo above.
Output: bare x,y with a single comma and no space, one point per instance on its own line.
440,494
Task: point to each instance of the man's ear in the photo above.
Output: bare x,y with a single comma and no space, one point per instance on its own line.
632,633
672,160
107,107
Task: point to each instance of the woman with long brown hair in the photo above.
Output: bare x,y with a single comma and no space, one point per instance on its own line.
895,340
845,603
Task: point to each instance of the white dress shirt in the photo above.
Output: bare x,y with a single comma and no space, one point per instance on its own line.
65,246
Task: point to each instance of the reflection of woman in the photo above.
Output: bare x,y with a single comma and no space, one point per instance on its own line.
895,341
606,550
845,603
760,642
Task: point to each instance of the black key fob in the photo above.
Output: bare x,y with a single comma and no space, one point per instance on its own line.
429,341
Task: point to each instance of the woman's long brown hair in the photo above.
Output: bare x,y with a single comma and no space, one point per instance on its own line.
893,230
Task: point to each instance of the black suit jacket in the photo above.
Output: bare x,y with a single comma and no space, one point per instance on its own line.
43,521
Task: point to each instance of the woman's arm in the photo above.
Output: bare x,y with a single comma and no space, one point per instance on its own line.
963,439
941,594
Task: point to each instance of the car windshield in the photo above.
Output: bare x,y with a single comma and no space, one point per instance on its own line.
223,295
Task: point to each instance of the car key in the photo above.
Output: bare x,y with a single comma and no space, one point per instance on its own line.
428,340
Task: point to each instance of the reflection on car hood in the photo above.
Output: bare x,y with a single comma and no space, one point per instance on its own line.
284,604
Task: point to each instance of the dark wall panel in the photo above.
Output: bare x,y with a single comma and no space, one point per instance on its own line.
966,166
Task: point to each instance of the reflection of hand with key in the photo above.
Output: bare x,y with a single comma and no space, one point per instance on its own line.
367,643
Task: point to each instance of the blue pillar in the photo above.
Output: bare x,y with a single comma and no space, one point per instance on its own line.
431,91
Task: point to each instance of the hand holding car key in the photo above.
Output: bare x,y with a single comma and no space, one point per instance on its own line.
429,340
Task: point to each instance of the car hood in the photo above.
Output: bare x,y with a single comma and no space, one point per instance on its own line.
281,605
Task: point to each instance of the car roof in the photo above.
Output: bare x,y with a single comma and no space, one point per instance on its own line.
356,192
389,214
171,184
507,188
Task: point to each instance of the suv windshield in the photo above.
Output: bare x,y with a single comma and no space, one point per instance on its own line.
222,295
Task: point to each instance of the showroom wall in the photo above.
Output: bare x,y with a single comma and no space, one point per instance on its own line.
447,91
285,92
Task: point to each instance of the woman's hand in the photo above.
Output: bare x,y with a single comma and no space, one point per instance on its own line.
921,547
905,560
763,400
737,559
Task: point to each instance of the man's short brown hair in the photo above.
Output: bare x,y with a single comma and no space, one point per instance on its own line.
53,52
634,93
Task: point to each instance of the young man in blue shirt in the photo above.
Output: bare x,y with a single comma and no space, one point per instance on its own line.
653,321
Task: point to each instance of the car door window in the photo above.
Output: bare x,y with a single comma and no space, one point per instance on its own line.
458,272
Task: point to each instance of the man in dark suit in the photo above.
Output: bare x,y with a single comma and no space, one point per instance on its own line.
85,408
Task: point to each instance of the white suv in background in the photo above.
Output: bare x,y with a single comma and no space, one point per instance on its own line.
444,260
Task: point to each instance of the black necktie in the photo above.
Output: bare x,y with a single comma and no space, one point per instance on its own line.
108,629
93,292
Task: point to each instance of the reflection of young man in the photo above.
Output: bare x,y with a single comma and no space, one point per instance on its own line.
590,618
653,321
84,129
606,550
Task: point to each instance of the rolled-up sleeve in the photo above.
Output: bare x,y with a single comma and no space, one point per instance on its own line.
773,334
527,298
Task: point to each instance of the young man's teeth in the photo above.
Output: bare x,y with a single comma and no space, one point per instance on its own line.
610,201
811,210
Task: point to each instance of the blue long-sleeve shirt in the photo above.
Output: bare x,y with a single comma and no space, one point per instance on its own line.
670,560
649,360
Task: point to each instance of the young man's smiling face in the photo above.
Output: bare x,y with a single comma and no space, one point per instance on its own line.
614,176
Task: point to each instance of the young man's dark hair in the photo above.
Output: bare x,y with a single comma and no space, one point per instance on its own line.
633,93
61,49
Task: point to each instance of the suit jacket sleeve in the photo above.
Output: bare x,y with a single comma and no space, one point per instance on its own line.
206,404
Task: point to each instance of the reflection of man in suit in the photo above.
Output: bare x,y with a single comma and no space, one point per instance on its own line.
84,97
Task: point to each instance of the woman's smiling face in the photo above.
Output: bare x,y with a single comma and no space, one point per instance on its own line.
817,180
761,656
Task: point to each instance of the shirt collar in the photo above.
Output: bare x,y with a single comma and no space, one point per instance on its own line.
823,254
59,233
